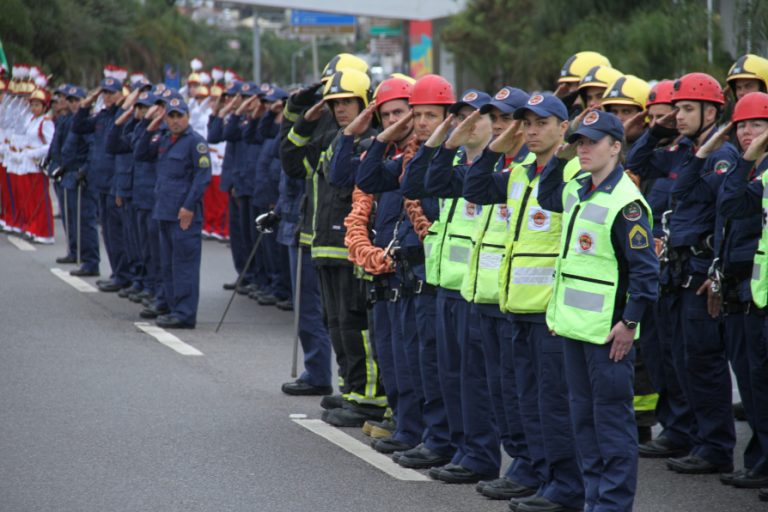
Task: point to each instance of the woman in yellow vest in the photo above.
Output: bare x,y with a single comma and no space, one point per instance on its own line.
605,277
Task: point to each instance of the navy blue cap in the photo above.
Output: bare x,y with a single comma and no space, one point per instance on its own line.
73,91
275,94
596,125
169,94
472,98
146,98
233,89
158,89
249,89
62,89
543,105
508,99
111,85
176,105
264,89
140,84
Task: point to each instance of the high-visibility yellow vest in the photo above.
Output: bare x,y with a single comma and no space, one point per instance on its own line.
481,283
587,271
531,249
759,282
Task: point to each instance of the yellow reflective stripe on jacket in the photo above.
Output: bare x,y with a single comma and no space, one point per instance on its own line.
289,116
298,140
329,252
307,167
645,402
371,396
305,238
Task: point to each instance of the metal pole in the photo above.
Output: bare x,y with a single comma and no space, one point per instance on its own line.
297,310
315,65
256,48
709,31
240,279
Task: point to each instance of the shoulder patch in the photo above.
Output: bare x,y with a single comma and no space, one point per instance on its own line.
202,147
204,162
722,166
632,211
155,137
638,237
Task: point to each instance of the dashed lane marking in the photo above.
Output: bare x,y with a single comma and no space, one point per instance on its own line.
358,449
75,282
168,339
21,244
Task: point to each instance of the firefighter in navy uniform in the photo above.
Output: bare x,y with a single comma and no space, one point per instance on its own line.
183,171
605,277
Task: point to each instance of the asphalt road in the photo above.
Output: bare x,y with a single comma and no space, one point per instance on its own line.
99,416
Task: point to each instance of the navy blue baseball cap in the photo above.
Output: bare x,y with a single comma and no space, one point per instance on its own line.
275,94
169,94
176,105
596,125
264,89
73,91
146,99
158,89
508,99
472,98
543,105
233,89
248,89
140,84
111,85
62,89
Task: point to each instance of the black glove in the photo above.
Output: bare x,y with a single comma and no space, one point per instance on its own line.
267,222
664,132
306,97
81,178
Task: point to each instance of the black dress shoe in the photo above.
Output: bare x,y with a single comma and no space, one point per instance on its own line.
301,388
343,418
542,504
371,412
751,480
661,447
243,289
332,402
228,286
434,472
66,259
171,322
267,300
151,312
695,465
285,305
102,282
728,478
763,495
110,287
515,502
389,445
422,457
126,292
455,474
81,272
504,489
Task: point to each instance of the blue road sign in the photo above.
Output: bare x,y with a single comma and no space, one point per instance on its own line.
303,18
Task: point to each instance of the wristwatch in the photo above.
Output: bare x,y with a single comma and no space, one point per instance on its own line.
630,324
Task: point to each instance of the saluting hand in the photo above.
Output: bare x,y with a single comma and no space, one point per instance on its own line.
315,112
714,142
362,122
91,98
397,131
634,126
509,141
566,151
757,147
463,131
440,133
124,117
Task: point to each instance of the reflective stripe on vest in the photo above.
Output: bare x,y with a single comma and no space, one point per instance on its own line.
759,283
528,268
587,272
481,283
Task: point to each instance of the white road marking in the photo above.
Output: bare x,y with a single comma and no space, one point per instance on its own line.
74,281
168,339
21,244
358,449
